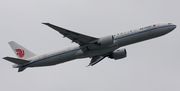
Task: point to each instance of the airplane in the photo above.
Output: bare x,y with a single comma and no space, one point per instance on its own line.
95,48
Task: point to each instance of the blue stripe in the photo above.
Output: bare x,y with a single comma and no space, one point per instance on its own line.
141,32
25,65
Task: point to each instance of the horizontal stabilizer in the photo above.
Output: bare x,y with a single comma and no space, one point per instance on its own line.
16,60
21,69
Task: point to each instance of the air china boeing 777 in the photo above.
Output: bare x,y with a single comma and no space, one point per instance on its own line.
95,48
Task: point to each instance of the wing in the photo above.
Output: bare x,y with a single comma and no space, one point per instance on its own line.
81,39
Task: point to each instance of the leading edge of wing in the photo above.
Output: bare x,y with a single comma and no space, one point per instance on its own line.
81,39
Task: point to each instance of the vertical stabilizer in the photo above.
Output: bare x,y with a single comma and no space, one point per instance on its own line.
20,51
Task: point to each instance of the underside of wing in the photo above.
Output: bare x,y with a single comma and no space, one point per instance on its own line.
95,60
81,39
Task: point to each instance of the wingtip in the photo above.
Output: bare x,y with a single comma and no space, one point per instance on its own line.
5,58
45,23
89,65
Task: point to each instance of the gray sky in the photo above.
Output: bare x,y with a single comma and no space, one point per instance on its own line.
151,65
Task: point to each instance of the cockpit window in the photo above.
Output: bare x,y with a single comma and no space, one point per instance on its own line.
169,23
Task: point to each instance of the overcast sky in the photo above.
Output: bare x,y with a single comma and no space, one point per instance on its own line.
151,65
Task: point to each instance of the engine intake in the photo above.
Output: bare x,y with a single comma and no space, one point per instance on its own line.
107,40
118,54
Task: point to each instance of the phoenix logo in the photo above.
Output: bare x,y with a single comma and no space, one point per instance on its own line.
20,53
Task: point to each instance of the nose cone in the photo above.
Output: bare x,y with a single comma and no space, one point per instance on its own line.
163,29
172,26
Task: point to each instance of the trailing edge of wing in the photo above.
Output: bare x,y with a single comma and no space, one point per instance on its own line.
81,39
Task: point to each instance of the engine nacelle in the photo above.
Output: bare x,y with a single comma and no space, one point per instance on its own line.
107,40
118,54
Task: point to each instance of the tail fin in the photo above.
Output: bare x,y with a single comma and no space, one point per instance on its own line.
20,51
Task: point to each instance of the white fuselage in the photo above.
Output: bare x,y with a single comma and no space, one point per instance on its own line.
120,39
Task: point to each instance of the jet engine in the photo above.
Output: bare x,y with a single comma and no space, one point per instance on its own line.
118,54
107,40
